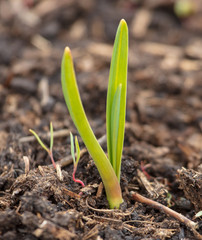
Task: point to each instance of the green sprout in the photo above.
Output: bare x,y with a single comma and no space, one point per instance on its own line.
48,150
109,169
75,161
184,8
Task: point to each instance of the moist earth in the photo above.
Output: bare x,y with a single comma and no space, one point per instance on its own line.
163,141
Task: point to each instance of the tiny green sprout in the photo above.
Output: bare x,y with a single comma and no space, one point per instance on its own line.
184,8
109,169
49,151
75,160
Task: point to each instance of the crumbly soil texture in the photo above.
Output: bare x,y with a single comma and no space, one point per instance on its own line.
163,136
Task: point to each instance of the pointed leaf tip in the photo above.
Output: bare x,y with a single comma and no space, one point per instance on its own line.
67,51
123,21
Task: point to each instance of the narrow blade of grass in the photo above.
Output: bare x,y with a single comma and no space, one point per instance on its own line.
39,140
77,150
117,76
72,147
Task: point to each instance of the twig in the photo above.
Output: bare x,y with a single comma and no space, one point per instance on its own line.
94,231
101,219
115,212
192,225
71,194
100,190
101,210
146,183
54,230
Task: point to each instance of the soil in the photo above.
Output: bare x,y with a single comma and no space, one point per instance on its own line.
162,155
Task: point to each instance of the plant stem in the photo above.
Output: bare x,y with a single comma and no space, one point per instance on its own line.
77,180
52,159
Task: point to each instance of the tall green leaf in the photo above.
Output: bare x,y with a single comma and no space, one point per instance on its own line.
117,76
115,122
75,107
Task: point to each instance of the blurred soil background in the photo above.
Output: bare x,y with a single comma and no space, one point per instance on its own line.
162,157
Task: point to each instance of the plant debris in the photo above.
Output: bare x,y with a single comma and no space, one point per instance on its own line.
162,154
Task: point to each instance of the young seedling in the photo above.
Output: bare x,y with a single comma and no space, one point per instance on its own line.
48,150
109,169
75,160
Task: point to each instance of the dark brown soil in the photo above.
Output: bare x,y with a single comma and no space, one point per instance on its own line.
162,157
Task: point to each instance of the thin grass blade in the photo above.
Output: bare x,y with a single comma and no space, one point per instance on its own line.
77,150
72,148
39,140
